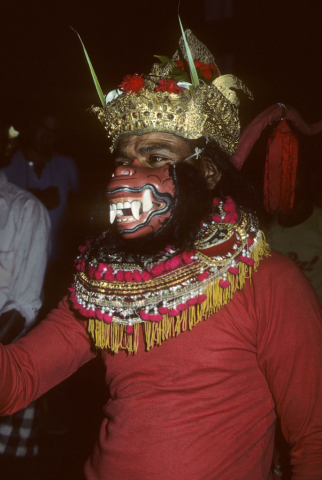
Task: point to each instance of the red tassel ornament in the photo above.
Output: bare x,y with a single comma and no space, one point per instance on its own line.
107,318
280,169
224,283
144,315
192,301
202,276
201,298
233,270
182,306
164,310
129,329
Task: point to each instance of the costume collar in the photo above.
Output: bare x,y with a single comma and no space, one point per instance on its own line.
172,291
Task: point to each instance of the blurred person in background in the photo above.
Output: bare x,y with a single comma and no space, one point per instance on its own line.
24,251
49,176
53,179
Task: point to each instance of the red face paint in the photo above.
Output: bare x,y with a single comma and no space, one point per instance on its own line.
141,199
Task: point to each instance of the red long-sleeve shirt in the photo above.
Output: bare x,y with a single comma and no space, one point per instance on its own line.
202,405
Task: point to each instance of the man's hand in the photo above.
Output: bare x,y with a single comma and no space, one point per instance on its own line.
49,197
11,324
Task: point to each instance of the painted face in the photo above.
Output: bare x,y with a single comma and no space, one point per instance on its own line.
141,192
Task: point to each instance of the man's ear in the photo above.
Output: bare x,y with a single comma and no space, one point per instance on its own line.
209,170
212,173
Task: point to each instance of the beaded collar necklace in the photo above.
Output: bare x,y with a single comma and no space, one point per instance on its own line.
174,290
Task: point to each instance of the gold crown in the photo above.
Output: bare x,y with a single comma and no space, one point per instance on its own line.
209,110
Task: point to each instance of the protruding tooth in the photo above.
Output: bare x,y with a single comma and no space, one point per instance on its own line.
146,200
113,214
119,205
113,206
135,206
127,205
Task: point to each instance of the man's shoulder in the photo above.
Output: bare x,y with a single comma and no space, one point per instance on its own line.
17,158
66,167
278,272
278,264
24,201
16,163
63,161
277,260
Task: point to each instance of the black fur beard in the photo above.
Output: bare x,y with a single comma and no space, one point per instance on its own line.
192,204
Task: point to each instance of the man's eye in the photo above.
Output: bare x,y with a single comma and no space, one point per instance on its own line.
157,159
121,162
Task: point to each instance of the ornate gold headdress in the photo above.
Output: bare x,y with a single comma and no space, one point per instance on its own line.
166,101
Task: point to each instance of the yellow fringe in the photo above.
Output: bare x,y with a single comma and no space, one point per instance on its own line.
113,336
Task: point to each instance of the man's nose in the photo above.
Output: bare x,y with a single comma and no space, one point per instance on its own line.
127,170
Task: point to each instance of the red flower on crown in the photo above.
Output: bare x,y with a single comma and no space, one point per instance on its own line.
168,85
179,63
206,70
132,83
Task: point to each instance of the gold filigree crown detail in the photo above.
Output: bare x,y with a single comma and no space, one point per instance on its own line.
208,110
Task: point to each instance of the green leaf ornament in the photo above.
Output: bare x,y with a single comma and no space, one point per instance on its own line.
193,70
96,82
163,59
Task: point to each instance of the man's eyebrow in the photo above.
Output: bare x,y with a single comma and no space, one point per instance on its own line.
149,148
121,153
158,146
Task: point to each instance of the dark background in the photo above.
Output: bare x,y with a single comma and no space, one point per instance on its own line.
274,46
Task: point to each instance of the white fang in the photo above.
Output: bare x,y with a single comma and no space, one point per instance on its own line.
135,206
113,214
146,200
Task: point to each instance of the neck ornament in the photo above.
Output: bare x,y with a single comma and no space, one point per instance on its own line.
172,291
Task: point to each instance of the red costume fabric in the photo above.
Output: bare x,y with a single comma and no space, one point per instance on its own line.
202,405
